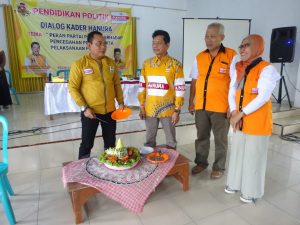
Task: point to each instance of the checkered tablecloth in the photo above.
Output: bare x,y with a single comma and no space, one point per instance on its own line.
132,196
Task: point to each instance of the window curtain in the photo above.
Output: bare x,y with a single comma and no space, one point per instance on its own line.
12,33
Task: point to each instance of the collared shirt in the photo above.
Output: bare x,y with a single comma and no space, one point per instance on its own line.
162,86
194,71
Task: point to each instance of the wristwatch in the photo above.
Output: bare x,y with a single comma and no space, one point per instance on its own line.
177,111
83,108
241,111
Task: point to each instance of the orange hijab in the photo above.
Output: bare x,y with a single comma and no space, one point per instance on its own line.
257,48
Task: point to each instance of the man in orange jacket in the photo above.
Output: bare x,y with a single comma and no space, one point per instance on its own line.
208,99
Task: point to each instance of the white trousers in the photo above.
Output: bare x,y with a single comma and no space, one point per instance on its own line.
247,164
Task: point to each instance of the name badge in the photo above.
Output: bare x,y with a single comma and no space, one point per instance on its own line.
254,91
88,71
222,70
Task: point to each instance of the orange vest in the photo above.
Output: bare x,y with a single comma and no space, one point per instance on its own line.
260,121
213,80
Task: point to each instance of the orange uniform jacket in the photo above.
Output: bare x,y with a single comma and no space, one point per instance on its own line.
260,121
212,88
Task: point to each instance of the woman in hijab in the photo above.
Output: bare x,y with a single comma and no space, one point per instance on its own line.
252,83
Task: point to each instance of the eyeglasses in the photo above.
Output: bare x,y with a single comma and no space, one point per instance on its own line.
244,46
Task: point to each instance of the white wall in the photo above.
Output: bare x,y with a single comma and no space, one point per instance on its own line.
265,15
3,44
193,44
297,95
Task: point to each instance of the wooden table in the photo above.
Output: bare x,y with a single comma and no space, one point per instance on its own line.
80,193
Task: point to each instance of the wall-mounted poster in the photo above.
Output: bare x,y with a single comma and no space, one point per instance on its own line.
50,36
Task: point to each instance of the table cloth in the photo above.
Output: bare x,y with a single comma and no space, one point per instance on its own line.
58,100
131,188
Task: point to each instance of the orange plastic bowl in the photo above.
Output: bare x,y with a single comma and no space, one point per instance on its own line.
156,157
121,114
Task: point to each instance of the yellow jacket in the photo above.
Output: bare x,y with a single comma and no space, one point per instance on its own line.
162,86
95,83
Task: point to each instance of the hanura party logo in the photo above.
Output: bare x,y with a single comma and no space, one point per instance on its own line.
21,8
119,17
157,85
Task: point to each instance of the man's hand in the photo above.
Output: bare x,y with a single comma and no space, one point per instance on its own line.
239,125
233,113
175,118
89,113
122,107
1,68
192,108
228,113
142,113
192,96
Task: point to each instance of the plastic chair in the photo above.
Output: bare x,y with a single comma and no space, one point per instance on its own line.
120,74
65,72
4,183
138,73
11,87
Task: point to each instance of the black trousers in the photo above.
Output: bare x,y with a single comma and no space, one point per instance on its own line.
89,130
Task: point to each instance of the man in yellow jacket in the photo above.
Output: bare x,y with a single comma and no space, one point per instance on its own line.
161,91
208,99
94,85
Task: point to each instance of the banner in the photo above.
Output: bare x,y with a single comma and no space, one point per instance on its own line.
50,36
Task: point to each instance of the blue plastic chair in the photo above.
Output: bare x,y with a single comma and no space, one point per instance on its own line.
4,183
11,87
120,74
138,73
65,72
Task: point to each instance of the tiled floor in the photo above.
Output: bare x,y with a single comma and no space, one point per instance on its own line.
35,174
